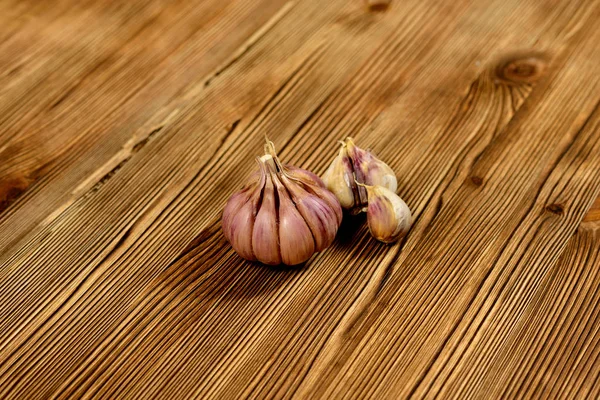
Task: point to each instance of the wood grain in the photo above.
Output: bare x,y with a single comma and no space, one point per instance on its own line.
593,213
126,126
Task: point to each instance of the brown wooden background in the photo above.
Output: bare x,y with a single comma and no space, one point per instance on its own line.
125,125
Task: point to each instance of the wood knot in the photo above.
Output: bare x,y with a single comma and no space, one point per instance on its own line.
11,189
521,69
476,180
378,5
554,208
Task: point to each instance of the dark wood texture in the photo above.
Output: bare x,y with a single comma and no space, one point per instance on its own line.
125,126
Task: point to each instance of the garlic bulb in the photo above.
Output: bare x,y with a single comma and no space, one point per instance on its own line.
352,165
388,216
284,216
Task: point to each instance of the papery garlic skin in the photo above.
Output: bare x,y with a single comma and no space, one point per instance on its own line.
388,216
351,165
285,217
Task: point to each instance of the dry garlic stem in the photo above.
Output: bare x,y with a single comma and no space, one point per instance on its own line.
284,216
388,216
352,165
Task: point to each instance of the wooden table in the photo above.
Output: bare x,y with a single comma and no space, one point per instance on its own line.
125,126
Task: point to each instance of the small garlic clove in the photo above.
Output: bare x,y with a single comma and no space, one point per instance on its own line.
295,238
265,240
388,216
370,170
320,217
339,179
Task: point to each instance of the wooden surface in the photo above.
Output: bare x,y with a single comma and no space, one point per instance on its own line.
125,126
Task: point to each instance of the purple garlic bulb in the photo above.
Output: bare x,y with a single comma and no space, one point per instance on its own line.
283,216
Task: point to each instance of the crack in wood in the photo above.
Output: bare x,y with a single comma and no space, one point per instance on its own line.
131,150
230,129
138,146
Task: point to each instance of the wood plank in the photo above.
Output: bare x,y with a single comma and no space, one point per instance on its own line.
181,150
126,287
553,350
505,299
42,61
446,302
50,51
59,157
593,213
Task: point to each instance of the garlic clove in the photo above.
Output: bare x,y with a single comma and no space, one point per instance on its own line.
304,175
239,216
265,240
320,217
235,202
241,231
331,200
388,216
237,226
339,179
354,165
370,170
295,237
